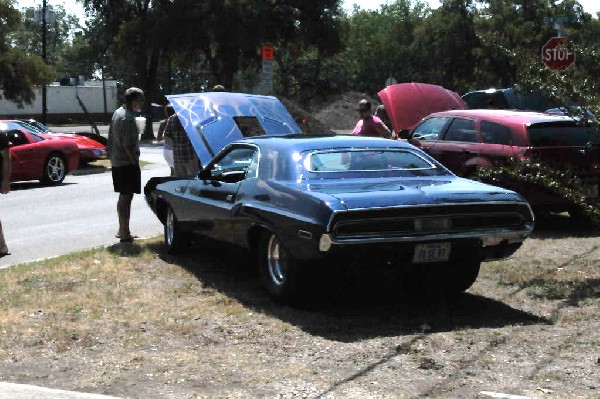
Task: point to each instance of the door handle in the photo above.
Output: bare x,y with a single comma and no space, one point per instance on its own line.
180,189
229,198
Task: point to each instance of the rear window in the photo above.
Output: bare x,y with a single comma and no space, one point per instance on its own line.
561,136
365,160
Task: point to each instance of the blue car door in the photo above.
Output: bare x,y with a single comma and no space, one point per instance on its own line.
209,202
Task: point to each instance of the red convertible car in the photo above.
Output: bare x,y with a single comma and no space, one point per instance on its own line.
40,157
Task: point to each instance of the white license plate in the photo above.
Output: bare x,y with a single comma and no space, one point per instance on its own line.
434,252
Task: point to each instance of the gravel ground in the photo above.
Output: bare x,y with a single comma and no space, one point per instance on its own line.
132,322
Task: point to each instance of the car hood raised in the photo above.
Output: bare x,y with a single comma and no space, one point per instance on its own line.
209,118
407,103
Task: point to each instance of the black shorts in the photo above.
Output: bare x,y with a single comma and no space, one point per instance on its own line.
127,179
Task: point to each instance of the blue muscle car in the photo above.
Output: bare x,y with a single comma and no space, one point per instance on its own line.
302,203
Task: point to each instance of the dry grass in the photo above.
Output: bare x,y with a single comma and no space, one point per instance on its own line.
131,321
66,302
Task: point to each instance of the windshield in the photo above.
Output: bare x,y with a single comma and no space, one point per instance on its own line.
562,135
368,160
14,125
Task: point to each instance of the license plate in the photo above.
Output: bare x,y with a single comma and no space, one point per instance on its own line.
435,252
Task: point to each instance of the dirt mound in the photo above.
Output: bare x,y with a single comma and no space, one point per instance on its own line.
336,112
339,111
307,122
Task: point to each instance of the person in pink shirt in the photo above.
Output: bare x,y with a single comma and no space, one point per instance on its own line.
369,125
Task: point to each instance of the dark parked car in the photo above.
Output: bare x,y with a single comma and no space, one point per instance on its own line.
507,98
464,140
304,204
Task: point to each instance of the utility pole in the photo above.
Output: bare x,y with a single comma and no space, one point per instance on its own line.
44,58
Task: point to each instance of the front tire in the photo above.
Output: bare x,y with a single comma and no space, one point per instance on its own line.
444,278
280,272
55,169
460,276
175,239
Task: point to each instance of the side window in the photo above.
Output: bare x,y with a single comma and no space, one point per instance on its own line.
233,165
429,129
16,138
494,133
462,130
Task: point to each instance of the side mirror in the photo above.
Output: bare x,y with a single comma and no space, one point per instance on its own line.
204,174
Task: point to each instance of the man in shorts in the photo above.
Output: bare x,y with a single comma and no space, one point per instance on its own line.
124,153
4,182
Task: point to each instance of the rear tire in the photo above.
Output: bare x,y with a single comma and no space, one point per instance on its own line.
280,272
175,239
55,169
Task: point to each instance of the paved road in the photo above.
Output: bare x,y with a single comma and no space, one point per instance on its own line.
41,222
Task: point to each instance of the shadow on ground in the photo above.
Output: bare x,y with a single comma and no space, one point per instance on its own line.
30,185
562,226
366,305
89,169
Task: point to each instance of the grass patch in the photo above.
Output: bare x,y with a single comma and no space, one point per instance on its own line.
67,301
549,275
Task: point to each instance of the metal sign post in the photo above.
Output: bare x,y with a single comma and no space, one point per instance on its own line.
266,77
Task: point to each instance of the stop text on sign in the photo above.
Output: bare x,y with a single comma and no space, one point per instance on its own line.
556,56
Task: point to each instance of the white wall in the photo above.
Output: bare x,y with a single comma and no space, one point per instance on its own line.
62,100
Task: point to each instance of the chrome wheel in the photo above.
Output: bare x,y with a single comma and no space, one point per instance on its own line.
284,277
276,261
176,240
55,169
169,228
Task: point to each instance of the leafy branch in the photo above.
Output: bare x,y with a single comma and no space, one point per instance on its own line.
562,182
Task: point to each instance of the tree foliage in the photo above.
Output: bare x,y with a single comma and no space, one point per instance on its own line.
167,46
20,70
159,44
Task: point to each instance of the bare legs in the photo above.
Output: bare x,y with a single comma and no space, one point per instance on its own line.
124,212
3,247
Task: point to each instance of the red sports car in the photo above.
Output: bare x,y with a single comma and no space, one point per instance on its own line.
40,157
90,148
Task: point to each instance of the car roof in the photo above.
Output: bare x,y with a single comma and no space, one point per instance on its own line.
301,142
512,117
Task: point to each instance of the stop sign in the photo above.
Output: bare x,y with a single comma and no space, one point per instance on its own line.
556,56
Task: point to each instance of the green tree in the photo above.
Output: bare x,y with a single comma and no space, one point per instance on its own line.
157,44
60,34
445,45
379,44
20,72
